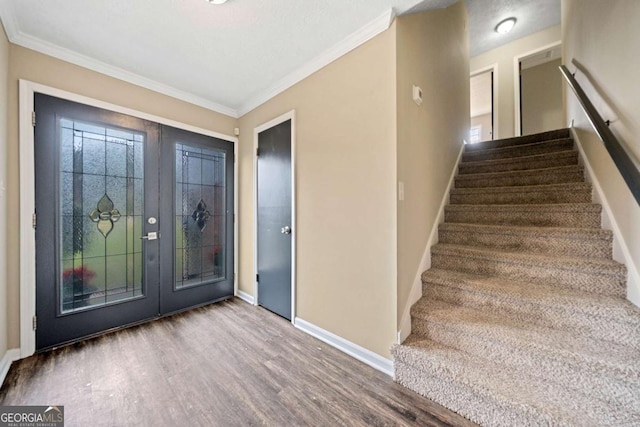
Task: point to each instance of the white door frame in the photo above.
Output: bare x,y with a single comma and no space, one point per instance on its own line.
291,115
494,110
516,79
27,194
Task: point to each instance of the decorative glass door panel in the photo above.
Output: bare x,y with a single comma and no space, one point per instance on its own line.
200,215
133,220
101,208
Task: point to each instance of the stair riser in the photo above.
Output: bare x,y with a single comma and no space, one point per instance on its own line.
519,140
524,218
461,399
518,179
599,383
538,162
579,247
580,322
549,274
529,197
518,151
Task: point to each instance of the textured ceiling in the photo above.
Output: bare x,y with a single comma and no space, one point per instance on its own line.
228,55
484,15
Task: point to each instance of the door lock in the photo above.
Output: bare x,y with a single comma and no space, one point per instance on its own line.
152,235
285,230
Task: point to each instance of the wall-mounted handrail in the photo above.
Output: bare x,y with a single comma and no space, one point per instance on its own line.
621,158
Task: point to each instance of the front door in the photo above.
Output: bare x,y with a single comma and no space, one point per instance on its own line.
274,219
108,243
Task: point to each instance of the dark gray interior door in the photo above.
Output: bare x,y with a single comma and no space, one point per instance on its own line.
274,219
96,184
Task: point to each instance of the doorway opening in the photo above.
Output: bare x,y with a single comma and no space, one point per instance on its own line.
538,90
483,120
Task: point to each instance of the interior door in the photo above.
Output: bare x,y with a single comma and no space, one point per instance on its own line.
197,228
274,219
96,185
134,220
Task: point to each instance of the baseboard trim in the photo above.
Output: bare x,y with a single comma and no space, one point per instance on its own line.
9,357
425,263
246,297
609,220
354,350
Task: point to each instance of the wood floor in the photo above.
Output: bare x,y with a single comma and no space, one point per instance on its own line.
227,364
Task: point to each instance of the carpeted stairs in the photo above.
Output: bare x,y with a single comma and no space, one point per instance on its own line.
523,319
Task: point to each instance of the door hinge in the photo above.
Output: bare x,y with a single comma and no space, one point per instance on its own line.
257,151
257,278
34,323
34,220
33,118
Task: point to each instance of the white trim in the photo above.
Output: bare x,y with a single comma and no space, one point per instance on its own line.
364,34
359,37
368,357
621,250
291,115
516,80
9,357
27,191
245,297
16,36
493,68
425,263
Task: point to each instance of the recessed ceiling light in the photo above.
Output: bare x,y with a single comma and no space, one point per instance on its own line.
506,25
217,1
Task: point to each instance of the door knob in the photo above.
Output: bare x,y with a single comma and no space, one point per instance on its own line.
285,230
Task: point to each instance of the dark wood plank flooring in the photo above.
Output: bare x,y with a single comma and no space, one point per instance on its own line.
226,364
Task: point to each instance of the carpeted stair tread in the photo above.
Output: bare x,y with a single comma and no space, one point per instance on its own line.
587,242
469,385
554,175
597,316
545,352
537,161
596,275
519,140
519,150
581,215
576,192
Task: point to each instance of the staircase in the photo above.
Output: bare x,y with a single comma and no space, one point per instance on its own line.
523,319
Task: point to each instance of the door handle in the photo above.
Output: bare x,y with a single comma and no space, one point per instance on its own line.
153,235
285,230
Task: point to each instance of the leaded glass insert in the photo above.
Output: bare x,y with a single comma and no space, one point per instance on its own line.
101,207
200,215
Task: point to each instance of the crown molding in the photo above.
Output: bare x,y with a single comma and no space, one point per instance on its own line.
16,36
364,34
359,37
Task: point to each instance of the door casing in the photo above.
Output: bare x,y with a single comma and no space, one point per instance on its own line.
291,115
27,89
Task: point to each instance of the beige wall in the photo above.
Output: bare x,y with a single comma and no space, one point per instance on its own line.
503,56
603,37
485,122
33,66
346,169
542,98
4,69
433,53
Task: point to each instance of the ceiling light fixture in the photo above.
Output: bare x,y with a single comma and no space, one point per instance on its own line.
217,1
506,25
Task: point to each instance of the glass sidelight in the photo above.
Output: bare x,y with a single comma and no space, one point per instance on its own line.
100,215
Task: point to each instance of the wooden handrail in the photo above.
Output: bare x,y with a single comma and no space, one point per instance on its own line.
621,158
